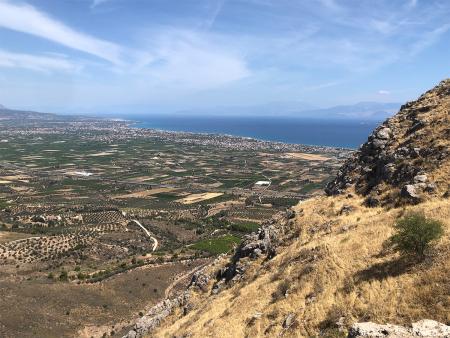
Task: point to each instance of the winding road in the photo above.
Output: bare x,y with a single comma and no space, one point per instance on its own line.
155,241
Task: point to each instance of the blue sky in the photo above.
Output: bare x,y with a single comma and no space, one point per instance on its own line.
166,55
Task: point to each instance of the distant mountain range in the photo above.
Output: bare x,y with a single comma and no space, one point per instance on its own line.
377,111
14,114
363,110
25,114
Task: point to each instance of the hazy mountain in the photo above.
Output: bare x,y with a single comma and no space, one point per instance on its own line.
364,110
25,114
267,109
15,114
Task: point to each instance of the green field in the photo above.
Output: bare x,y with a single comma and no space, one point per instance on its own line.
217,245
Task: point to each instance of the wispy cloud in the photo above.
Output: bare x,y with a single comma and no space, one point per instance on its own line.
429,38
215,11
384,92
330,5
27,19
96,3
190,59
36,63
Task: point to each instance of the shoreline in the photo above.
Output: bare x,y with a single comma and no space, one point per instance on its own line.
132,124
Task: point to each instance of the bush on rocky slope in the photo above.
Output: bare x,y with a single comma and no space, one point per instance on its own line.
415,234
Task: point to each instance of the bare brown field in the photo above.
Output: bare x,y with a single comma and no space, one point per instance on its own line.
6,236
71,310
195,198
308,157
145,193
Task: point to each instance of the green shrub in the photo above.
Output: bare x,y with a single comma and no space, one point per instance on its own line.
415,234
63,276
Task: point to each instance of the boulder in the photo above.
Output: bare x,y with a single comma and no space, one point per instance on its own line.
379,144
410,191
384,133
289,320
423,328
200,280
430,328
422,178
373,330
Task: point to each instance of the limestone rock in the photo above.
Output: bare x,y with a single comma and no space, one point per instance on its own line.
289,320
384,133
424,328
430,328
410,191
372,330
420,178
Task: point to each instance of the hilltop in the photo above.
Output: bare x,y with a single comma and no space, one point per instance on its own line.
322,266
406,158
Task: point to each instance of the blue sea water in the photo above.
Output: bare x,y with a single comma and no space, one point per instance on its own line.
336,133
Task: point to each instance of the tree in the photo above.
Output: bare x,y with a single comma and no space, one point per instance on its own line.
415,234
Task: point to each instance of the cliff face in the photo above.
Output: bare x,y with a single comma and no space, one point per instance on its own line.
323,266
405,160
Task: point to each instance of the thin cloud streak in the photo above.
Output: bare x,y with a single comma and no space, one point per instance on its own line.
36,63
26,19
96,3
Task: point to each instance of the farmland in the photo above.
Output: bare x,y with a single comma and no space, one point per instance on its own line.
71,192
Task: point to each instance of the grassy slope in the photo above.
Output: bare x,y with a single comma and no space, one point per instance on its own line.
330,273
334,267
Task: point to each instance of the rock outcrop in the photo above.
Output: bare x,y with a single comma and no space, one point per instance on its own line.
423,328
400,161
153,318
263,242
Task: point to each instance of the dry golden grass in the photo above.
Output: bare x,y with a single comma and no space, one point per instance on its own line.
335,269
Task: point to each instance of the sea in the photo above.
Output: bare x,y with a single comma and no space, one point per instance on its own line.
343,133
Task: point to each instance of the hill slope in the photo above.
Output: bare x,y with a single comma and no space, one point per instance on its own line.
322,266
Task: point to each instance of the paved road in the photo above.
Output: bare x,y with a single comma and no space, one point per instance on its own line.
155,241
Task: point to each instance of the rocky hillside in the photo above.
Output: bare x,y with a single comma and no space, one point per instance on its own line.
406,158
322,268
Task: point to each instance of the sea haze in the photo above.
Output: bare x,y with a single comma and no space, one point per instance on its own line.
348,133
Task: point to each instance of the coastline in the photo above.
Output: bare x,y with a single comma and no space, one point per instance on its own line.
143,125
182,138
